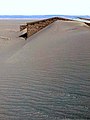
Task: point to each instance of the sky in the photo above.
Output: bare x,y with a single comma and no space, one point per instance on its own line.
44,7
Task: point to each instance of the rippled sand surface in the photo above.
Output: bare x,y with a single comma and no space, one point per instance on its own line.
46,77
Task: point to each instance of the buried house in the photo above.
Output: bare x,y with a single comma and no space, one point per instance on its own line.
33,27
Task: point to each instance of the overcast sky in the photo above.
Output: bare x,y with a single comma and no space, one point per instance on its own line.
44,7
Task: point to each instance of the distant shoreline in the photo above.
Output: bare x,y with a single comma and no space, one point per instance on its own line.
41,16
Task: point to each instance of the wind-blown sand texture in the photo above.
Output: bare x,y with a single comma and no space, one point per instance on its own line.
20,58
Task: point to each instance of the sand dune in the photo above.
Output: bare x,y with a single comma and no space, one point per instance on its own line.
47,76
11,44
58,28
58,31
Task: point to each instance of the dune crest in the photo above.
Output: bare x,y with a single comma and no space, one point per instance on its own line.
33,27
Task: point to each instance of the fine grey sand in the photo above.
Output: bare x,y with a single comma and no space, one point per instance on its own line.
47,76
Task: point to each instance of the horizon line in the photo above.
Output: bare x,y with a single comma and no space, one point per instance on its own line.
43,15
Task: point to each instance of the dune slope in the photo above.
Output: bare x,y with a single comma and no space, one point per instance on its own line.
47,76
